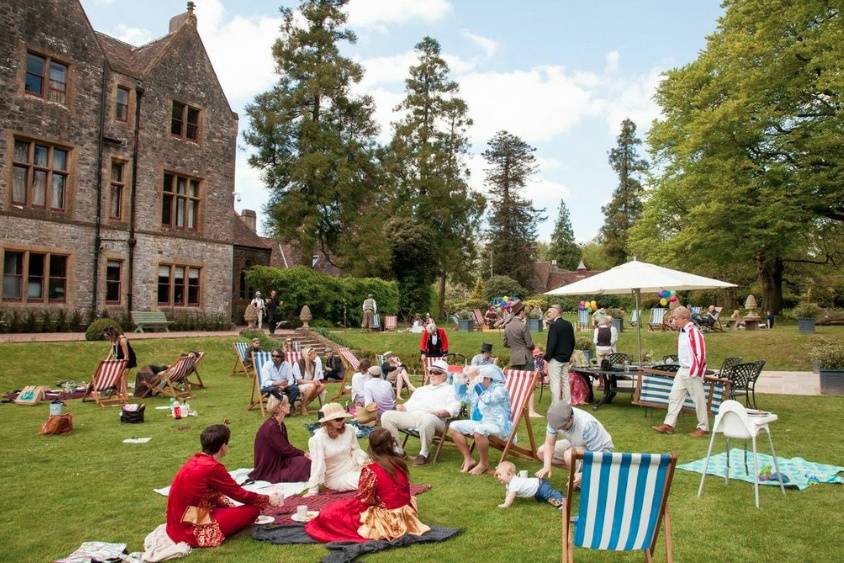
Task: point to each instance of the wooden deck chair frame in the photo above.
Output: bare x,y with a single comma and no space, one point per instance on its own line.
114,373
717,326
664,515
256,398
198,383
480,322
240,359
166,381
352,363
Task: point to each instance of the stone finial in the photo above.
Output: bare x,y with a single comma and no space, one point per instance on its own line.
750,303
305,316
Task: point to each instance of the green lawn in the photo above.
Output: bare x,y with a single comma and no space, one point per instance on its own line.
783,347
62,490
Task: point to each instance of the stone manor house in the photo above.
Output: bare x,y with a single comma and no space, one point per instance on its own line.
117,170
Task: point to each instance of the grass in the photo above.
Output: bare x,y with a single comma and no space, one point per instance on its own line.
784,348
62,490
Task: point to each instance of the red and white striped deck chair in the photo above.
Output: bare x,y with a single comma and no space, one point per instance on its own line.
110,376
195,372
352,366
520,384
391,322
241,351
293,357
176,375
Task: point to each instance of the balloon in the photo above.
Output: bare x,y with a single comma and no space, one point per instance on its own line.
666,293
674,298
663,301
506,299
673,292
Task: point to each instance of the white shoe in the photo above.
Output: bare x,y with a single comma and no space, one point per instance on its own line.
535,415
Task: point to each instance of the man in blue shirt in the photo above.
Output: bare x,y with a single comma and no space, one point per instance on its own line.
277,378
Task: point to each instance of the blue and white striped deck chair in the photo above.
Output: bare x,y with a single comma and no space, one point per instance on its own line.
634,317
584,320
695,311
241,350
653,387
657,318
623,502
258,361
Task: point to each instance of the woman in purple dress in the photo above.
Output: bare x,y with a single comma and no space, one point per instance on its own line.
276,460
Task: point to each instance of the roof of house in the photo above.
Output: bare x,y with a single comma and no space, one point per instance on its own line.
242,235
130,60
548,276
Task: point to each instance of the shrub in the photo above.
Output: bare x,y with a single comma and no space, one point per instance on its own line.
75,322
499,286
828,356
616,313
582,343
806,311
96,328
61,321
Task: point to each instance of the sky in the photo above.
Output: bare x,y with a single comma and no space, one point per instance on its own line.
561,74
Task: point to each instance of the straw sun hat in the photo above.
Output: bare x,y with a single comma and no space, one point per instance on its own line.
332,411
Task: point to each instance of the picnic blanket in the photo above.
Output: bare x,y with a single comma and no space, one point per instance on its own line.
282,513
241,477
799,472
343,552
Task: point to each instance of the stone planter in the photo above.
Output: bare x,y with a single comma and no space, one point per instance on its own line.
806,326
618,324
832,381
587,354
465,325
534,325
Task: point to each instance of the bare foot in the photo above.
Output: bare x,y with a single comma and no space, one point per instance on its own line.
467,465
479,470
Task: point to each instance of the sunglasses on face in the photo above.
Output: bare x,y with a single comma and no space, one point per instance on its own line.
276,356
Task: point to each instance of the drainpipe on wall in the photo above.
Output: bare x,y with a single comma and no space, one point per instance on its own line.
139,94
97,221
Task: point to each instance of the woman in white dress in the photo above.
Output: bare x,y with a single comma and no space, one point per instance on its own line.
309,377
336,457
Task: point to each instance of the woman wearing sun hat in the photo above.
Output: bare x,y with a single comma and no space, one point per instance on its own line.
336,457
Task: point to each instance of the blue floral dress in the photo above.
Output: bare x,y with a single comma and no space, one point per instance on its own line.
490,410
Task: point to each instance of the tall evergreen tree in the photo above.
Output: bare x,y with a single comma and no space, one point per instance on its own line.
513,219
426,162
626,205
563,247
314,139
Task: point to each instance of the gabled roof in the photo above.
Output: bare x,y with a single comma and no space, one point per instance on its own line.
133,61
242,235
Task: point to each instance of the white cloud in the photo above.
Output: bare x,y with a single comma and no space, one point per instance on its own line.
136,36
612,59
488,45
377,14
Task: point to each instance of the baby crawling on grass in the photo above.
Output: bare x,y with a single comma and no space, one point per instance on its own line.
526,487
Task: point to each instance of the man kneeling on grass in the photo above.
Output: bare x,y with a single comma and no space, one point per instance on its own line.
581,431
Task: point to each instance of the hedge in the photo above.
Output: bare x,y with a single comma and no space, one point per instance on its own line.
330,298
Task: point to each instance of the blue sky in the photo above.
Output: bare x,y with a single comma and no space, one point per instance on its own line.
560,74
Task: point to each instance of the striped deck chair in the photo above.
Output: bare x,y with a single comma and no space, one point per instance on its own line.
195,372
256,399
352,366
109,376
623,503
657,318
584,320
520,384
173,382
635,316
293,357
695,311
478,317
653,387
241,351
391,322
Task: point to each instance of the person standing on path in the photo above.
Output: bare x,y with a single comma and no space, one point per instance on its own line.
259,304
273,305
558,353
370,308
517,339
691,354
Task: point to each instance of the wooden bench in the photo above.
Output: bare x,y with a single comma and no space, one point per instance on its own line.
653,387
143,319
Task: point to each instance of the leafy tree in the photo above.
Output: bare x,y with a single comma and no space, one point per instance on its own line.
314,139
513,219
563,247
499,286
410,245
626,205
426,163
594,256
749,148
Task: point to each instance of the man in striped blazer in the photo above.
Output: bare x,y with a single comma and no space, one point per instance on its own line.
691,351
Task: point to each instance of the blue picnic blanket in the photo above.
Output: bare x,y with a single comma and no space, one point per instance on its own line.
798,472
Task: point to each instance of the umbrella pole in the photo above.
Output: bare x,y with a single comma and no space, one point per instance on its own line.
638,327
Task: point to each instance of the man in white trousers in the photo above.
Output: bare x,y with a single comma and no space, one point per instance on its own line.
691,351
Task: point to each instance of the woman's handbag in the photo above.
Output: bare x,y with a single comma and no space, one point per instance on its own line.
132,414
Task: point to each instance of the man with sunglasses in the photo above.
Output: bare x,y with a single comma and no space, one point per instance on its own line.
277,378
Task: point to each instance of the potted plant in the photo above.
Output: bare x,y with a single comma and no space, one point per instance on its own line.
465,320
534,320
830,360
617,318
806,313
584,344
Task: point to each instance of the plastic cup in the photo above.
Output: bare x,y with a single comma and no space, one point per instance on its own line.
302,511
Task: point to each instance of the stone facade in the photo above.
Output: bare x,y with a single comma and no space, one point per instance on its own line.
101,135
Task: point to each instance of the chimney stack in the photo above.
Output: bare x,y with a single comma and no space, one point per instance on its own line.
178,21
251,219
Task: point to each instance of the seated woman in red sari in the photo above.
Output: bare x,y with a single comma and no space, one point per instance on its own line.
383,508
276,460
198,512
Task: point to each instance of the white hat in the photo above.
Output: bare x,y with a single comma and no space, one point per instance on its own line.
439,365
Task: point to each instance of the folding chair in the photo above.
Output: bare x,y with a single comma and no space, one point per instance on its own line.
195,371
257,399
584,320
109,375
623,503
391,322
717,326
696,311
480,322
520,384
241,351
657,316
439,438
352,365
176,375
634,317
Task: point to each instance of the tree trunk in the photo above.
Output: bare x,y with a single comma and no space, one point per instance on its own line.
770,271
441,310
